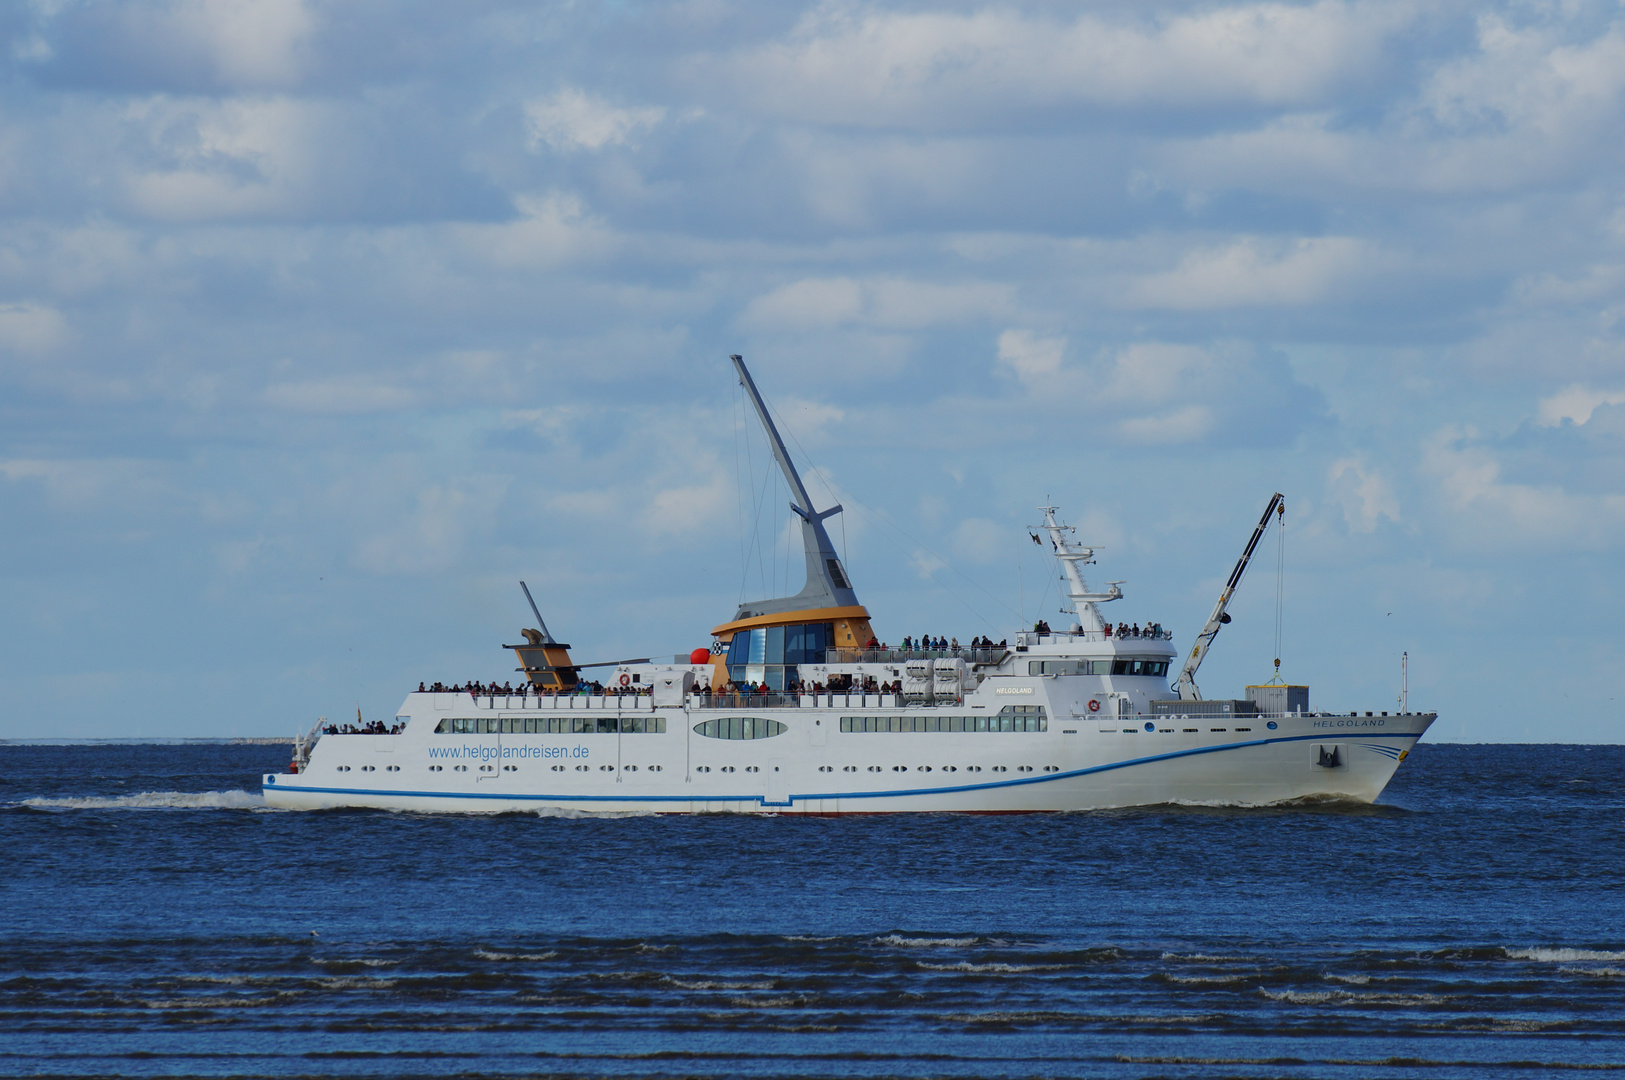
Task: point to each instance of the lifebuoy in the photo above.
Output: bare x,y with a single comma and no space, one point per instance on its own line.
1094,706
626,680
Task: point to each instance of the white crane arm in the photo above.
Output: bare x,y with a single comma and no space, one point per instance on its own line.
1185,687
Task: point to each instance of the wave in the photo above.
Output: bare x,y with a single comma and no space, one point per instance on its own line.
1001,969
155,800
484,954
1595,973
901,942
711,984
1563,956
1345,997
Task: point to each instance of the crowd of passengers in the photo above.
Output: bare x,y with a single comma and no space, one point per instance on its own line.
1123,630
928,643
590,687
372,727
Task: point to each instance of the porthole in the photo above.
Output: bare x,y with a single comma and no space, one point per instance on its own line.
630,768
753,768
874,768
727,768
925,768
703,768
1024,768
488,768
1191,730
581,768
950,768
436,768
826,768
657,768
1052,768
510,768
368,768
394,768
342,768
558,768
606,768
973,768
849,768
1001,768
460,768
899,768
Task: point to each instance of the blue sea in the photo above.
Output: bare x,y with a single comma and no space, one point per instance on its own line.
159,921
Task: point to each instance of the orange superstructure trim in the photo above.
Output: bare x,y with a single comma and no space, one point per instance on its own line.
785,618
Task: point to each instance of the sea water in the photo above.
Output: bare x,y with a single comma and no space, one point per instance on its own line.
159,920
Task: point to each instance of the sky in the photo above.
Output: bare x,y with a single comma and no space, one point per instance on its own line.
322,325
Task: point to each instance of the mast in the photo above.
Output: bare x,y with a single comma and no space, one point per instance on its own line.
1185,686
827,585
1071,558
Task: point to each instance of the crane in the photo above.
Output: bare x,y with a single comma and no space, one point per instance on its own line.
1185,686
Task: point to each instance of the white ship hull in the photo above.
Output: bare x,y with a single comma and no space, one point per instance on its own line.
1080,762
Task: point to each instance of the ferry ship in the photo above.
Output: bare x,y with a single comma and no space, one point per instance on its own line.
795,710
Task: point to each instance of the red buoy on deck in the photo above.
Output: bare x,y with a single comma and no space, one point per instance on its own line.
700,656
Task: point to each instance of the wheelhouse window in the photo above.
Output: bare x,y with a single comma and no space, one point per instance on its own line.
1130,665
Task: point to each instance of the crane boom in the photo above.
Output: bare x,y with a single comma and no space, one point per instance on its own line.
1185,687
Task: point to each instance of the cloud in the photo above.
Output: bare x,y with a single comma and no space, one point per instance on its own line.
241,44
864,65
574,120
31,328
880,303
1576,403
690,508
210,159
340,396
1252,272
1363,493
1030,358
978,540
1491,512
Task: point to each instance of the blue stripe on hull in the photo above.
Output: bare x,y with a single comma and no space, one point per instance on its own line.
763,801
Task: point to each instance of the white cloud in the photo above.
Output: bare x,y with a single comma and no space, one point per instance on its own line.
574,120
1252,272
1363,493
1576,403
852,64
1032,359
879,303
1192,423
1489,511
690,508
225,158
979,540
31,328
340,396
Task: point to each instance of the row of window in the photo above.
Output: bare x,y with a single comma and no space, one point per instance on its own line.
1009,718
1120,665
739,727
551,725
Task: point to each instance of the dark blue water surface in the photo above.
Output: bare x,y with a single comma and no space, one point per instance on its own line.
159,921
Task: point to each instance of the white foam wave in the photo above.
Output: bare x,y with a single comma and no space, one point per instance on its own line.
1596,973
1209,980
1000,969
1345,997
1356,980
1203,958
901,942
709,984
1564,956
157,800
486,955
